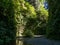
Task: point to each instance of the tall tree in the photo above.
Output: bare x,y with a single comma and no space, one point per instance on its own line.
9,13
53,26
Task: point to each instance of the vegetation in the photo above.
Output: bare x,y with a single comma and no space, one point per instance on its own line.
17,13
7,23
38,25
9,20
53,26
28,33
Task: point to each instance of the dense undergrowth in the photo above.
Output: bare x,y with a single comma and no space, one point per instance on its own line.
53,26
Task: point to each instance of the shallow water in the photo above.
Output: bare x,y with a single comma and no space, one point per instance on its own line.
38,41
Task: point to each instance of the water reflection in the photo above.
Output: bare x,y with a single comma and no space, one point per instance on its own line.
23,41
19,41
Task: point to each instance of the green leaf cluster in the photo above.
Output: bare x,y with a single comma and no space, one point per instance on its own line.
53,26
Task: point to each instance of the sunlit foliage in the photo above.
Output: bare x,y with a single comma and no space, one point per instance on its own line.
38,24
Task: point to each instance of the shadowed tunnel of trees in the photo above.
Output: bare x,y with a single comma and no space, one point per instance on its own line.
35,21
